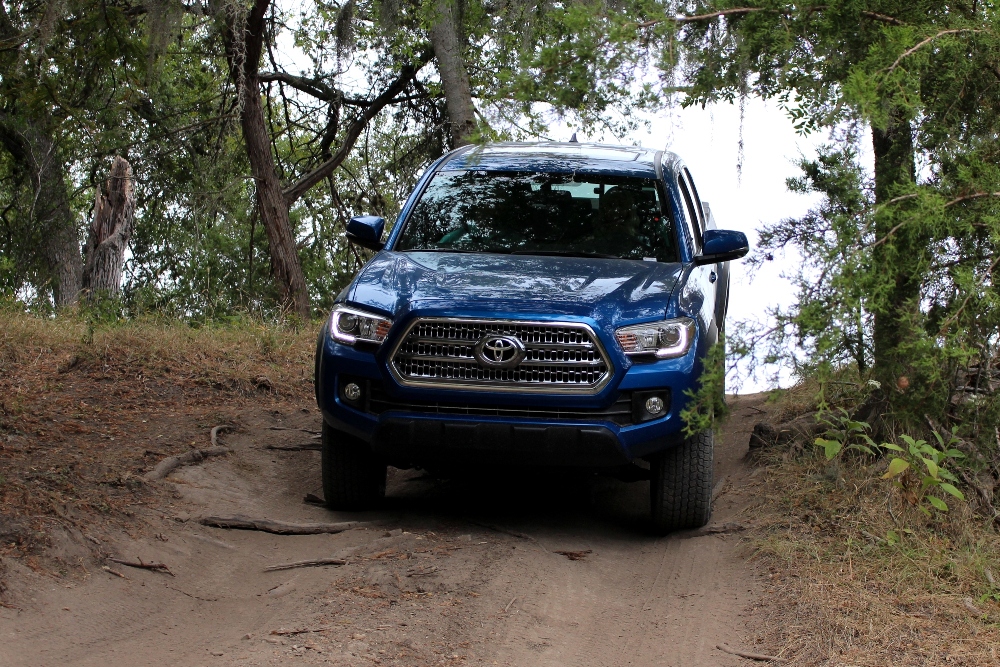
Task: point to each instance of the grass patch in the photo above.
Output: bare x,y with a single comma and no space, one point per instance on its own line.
857,575
87,408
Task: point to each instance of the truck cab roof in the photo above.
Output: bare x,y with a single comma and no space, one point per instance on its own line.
552,156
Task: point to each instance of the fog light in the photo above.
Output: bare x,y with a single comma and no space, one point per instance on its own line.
352,392
654,405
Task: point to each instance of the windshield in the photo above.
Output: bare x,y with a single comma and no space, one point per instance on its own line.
543,213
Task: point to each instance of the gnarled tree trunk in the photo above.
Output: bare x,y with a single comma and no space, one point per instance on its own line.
449,53
244,46
31,142
110,231
34,151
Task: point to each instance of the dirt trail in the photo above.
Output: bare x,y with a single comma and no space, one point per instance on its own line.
457,572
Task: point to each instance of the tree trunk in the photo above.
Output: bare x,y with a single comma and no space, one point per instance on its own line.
110,231
448,51
34,152
30,142
286,266
896,320
244,46
62,246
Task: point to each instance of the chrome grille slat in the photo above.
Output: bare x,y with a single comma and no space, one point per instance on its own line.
560,357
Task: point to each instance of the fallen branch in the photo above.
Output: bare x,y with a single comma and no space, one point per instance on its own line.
171,463
285,633
277,527
305,446
749,656
114,572
317,562
155,567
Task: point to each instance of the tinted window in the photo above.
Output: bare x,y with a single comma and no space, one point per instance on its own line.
692,213
697,200
504,212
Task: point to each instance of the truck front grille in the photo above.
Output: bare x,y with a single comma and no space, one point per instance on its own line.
557,357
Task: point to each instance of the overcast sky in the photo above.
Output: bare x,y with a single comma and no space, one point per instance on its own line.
708,142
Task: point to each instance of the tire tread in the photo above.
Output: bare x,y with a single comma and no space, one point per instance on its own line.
681,488
353,478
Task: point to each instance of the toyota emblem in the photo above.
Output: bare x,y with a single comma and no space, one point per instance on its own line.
499,351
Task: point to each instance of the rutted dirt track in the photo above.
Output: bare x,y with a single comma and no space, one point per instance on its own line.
462,572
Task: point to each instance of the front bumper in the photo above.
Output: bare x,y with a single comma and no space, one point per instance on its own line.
409,441
567,431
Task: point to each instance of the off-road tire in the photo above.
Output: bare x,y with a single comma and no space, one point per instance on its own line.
680,486
353,477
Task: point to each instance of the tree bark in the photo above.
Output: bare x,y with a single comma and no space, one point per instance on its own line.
449,52
244,59
30,142
896,320
110,231
35,152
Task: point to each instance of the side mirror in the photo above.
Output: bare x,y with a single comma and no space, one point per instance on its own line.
366,231
722,245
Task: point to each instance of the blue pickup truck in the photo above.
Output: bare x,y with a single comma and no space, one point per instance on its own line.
541,304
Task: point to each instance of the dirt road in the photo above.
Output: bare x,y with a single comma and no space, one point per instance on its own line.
455,572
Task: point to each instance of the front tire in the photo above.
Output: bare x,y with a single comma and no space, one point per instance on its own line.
680,488
353,477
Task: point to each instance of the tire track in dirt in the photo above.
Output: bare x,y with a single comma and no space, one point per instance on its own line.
442,578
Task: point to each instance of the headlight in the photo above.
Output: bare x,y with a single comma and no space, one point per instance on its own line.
350,325
665,340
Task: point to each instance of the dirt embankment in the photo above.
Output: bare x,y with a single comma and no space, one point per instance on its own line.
483,569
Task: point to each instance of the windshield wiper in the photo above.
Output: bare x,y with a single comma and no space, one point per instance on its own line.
564,253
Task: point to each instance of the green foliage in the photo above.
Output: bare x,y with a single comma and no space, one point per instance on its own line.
897,269
706,406
920,470
150,81
845,434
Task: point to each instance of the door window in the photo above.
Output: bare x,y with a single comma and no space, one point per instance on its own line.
692,214
697,201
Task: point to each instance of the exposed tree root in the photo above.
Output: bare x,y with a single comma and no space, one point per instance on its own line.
749,656
304,631
277,527
156,567
215,433
305,446
317,562
171,463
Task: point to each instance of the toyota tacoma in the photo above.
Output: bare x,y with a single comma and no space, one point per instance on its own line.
543,304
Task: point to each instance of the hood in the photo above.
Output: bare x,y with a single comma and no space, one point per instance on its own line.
610,291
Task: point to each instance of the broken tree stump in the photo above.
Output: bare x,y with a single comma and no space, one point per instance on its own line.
110,231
